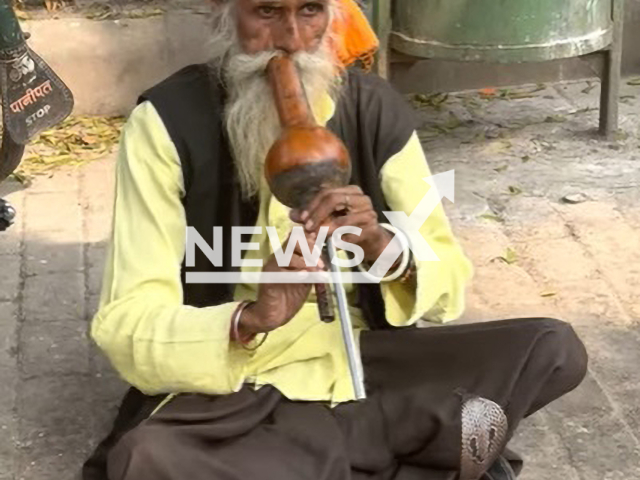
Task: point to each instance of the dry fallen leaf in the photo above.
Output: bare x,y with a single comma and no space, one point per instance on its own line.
548,293
77,140
53,5
555,119
21,178
143,13
22,15
583,110
575,198
101,12
488,92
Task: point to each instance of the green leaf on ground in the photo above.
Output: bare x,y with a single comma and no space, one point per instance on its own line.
634,82
491,216
513,190
509,257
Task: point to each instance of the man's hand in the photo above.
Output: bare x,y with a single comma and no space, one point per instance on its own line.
277,304
347,206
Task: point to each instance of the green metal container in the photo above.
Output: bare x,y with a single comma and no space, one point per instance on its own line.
503,31
10,33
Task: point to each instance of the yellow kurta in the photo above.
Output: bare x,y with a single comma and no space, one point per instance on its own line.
160,345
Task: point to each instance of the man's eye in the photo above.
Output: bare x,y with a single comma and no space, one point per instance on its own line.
312,8
267,12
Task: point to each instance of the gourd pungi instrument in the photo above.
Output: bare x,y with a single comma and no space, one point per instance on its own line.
305,159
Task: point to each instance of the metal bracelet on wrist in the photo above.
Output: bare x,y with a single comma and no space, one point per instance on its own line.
235,324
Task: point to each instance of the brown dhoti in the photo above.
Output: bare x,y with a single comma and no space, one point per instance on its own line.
410,427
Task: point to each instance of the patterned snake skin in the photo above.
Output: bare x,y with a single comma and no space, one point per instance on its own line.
484,431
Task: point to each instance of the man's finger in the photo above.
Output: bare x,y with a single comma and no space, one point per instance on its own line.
332,203
311,239
297,264
362,219
321,197
296,216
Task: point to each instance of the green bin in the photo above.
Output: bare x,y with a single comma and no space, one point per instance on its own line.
503,31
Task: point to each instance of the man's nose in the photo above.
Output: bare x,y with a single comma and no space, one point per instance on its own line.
287,37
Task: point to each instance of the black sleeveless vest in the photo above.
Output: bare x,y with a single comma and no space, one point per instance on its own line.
371,119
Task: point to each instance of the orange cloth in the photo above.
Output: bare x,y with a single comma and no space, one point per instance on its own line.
353,38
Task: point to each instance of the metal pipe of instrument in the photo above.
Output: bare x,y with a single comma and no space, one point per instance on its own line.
304,160
353,355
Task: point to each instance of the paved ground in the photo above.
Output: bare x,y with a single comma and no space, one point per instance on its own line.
534,255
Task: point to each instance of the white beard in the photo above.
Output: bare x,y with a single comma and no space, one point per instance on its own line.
250,116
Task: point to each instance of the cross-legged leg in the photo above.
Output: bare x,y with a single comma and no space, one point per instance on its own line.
436,400
245,436
437,395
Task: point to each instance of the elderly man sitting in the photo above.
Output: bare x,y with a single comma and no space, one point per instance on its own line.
245,382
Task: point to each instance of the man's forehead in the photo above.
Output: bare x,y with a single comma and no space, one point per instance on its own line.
282,2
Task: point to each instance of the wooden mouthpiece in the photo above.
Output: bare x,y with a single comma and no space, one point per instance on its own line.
288,93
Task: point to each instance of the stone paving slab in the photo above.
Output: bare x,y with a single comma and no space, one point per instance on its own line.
54,348
54,296
66,181
95,258
8,431
55,429
600,444
41,259
544,447
63,213
8,386
10,278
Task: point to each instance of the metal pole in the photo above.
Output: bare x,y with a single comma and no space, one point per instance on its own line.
382,26
353,355
610,93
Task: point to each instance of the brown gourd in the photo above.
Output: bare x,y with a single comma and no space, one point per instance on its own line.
306,157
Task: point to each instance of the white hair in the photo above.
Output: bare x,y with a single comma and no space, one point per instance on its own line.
250,115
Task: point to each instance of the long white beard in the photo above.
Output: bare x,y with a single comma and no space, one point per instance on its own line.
250,116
